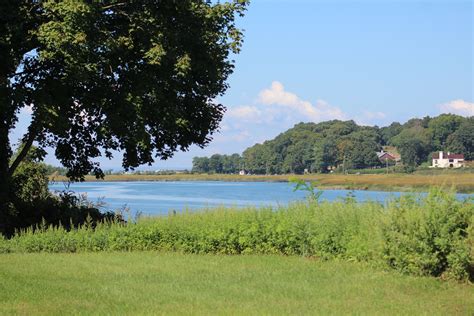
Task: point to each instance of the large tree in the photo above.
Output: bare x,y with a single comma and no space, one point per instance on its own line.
414,145
441,127
462,140
139,77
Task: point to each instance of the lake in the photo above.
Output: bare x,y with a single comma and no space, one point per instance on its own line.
161,197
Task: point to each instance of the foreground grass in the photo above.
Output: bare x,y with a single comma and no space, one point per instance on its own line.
461,182
172,283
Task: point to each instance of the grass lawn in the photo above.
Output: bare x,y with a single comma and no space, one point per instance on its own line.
172,283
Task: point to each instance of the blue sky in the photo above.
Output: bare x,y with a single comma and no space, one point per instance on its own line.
372,61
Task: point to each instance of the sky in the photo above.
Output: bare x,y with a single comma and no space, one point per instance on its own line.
371,61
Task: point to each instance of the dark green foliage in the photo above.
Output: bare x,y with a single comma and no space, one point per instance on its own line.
387,133
200,164
441,127
259,160
232,163
228,164
32,204
430,238
366,143
414,145
325,154
216,163
316,148
417,235
462,140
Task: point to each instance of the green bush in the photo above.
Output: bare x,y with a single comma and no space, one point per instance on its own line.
31,203
429,237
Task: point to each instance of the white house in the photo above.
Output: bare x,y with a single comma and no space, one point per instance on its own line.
449,160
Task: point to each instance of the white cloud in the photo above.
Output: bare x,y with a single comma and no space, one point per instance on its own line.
277,95
367,118
328,111
459,107
246,112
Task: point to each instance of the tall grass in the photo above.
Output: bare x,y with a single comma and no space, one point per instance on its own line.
422,235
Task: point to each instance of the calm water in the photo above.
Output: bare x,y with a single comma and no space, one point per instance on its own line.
155,198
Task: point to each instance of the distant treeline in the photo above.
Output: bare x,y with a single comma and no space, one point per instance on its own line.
50,170
61,171
339,145
218,164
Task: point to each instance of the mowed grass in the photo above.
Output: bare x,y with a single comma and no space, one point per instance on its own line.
460,181
173,283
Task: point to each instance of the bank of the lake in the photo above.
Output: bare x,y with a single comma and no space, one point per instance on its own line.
462,182
172,283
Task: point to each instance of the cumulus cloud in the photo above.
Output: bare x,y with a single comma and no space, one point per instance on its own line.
459,107
246,112
367,118
278,96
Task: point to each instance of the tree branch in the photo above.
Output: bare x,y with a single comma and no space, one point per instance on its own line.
111,6
30,138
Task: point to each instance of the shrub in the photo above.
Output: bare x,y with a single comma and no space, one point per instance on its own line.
429,236
32,203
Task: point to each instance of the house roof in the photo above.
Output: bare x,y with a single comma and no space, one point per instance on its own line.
449,156
456,156
385,156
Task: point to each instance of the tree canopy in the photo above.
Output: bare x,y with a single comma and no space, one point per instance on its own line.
139,77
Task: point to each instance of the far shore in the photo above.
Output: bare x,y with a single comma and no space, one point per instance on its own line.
460,182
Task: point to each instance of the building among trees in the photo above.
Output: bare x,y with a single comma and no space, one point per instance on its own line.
441,160
388,157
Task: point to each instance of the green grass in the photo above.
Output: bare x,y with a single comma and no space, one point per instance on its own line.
173,283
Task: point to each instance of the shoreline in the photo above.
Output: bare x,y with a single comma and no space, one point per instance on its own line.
460,183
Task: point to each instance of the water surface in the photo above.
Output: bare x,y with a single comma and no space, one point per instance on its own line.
161,197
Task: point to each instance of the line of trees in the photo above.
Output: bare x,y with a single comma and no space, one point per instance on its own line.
218,164
343,145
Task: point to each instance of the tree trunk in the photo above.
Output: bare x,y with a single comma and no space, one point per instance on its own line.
5,154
